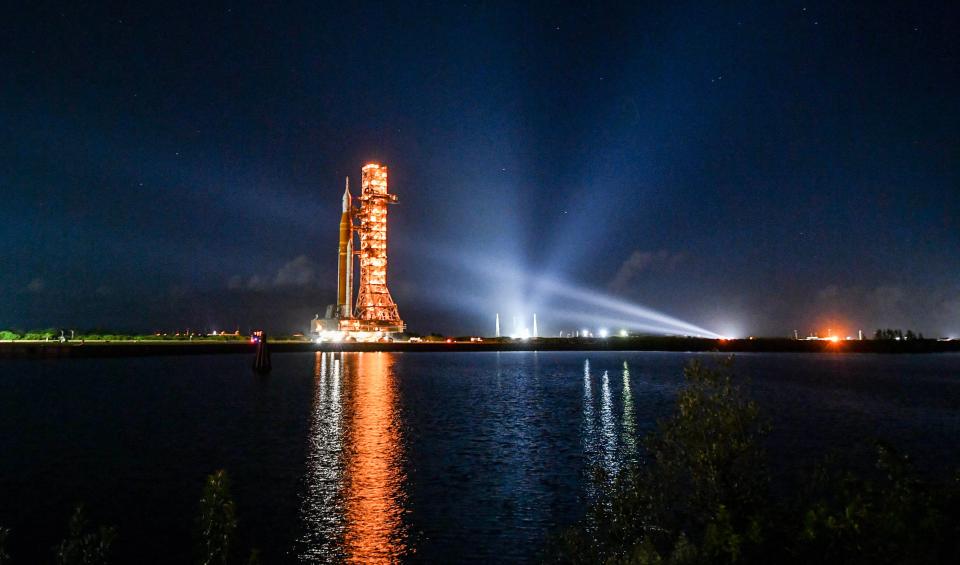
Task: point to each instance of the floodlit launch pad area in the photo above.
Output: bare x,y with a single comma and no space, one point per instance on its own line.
373,316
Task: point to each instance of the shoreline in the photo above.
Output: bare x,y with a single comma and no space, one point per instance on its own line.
56,350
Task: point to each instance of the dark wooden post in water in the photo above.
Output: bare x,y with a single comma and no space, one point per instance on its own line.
261,362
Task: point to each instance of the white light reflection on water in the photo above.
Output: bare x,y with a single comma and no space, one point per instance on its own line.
590,440
588,416
607,429
354,499
629,425
323,501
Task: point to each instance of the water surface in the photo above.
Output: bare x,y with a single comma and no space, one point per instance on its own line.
383,457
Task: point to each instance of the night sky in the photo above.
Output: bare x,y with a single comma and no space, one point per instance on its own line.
747,167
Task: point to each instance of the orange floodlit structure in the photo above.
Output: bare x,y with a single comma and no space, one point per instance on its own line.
375,309
345,258
374,314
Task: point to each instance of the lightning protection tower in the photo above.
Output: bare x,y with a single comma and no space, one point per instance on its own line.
375,310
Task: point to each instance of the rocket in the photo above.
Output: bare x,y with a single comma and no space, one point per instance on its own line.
345,265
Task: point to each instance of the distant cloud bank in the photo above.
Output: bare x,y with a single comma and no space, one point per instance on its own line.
298,272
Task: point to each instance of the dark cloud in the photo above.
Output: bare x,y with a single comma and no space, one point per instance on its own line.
926,309
298,272
640,261
36,285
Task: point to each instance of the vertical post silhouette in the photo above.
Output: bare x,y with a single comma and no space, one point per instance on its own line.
261,361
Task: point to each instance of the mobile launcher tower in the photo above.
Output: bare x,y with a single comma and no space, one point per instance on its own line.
374,315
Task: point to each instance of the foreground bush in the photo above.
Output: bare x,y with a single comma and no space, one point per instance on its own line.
890,517
217,520
216,528
702,495
84,546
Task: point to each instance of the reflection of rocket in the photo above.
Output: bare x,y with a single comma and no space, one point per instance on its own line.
345,266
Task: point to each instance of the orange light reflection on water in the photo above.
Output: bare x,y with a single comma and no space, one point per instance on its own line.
353,503
374,509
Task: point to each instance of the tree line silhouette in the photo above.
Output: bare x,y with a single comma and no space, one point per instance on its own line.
891,334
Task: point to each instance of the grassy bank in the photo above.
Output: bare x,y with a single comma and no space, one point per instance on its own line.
143,347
